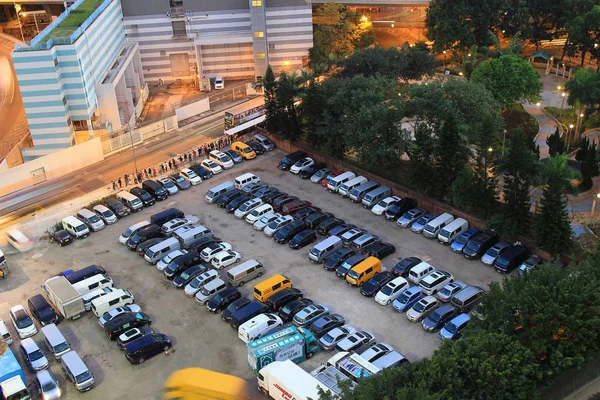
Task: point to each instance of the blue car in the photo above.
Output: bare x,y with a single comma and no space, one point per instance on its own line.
407,299
459,244
451,331
234,156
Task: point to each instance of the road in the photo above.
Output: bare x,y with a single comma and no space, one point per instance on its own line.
11,104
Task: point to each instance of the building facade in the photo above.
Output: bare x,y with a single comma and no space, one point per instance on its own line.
61,70
192,40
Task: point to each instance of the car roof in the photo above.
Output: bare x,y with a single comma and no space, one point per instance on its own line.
460,319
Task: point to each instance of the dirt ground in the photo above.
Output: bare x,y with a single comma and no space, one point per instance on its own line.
202,339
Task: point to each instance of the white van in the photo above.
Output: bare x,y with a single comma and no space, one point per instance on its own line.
99,281
245,272
258,212
245,179
118,298
130,200
420,271
91,219
259,326
345,189
373,197
356,195
94,294
55,341
218,190
187,234
4,333
75,227
221,158
434,226
129,232
335,183
324,248
155,253
452,230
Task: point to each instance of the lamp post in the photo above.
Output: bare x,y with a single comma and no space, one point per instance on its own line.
485,180
562,104
596,199
579,117
444,59
569,136
503,142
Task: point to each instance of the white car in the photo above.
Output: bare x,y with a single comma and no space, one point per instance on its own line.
107,316
198,282
219,83
422,308
221,158
191,176
301,165
211,166
18,240
162,264
168,185
258,212
384,205
169,227
265,220
210,251
435,281
279,223
22,322
247,207
225,259
391,291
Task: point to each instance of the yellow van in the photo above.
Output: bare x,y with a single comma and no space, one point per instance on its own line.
272,285
363,271
201,384
243,150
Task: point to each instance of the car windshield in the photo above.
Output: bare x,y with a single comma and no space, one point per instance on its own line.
353,274
461,240
255,213
450,327
168,183
422,220
107,214
81,228
420,307
493,251
404,297
185,275
435,316
407,215
387,290
328,338
24,322
195,283
314,251
48,386
248,150
150,253
94,219
474,246
86,376
382,203
192,175
36,355
444,233
265,219
429,228
320,173
218,298
445,292
205,291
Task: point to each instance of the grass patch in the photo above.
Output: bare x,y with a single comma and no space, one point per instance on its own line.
74,20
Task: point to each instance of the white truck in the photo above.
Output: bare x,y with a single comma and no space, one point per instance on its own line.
284,380
344,365
64,296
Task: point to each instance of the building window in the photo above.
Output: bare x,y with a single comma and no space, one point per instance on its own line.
176,3
256,3
64,101
260,56
163,53
178,28
271,46
56,63
259,34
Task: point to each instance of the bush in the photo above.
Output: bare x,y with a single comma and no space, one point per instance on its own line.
99,201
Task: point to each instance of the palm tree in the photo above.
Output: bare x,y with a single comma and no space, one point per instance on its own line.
515,45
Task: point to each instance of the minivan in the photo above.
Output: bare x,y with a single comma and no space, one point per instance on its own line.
375,196
267,288
94,294
364,271
165,216
141,194
452,231
99,281
347,187
155,189
210,290
188,234
479,244
85,273
356,195
149,232
55,341
33,355
259,326
467,298
129,232
248,311
266,143
419,272
118,298
180,263
91,219
105,214
75,227
130,200
434,226
511,259
155,253
258,213
213,193
76,371
324,249
244,179
41,310
335,183
117,207
243,150
245,272
393,359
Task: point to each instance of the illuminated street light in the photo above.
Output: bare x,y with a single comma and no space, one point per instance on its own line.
364,18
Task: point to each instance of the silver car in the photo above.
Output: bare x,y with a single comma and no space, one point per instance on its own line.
418,225
376,351
355,340
409,217
47,385
266,220
171,226
168,185
105,214
33,355
320,175
334,336
107,316
422,309
276,225
494,252
446,293
166,260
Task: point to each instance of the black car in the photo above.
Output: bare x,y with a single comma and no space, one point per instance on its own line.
264,189
303,238
201,171
257,147
233,307
142,247
308,172
133,334
403,267
223,200
282,298
290,160
374,284
147,347
439,317
41,310
347,265
223,299
479,244
187,275
341,229
143,195
287,312
117,207
148,232
326,323
235,203
125,322
337,258
200,244
313,220
180,181
61,237
180,263
270,197
396,211
246,313
380,250
282,201
290,230
234,156
327,225
305,212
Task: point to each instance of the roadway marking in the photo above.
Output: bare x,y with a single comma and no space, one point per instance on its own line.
209,127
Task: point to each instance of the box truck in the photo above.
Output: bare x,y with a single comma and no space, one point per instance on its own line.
12,379
64,296
284,380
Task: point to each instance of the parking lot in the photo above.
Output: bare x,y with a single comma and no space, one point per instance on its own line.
200,338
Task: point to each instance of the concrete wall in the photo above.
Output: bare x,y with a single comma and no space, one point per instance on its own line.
52,166
193,109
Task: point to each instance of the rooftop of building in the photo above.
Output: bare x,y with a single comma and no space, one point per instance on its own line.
74,20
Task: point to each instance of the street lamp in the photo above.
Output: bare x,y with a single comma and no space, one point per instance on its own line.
596,199
485,180
503,142
444,58
579,117
562,104
569,136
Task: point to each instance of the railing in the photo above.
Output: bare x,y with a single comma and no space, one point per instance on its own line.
175,12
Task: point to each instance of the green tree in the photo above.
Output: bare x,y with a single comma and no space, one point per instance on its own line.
413,64
272,112
587,155
555,143
452,155
584,33
509,78
584,90
313,104
421,152
546,21
285,98
553,229
463,190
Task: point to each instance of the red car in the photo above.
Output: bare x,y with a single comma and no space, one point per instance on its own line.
331,175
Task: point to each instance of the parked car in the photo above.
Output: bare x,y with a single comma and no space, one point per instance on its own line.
458,245
320,175
407,299
252,187
446,293
381,207
303,238
374,284
285,234
391,291
187,275
277,224
234,156
439,317
326,323
334,336
211,166
310,313
191,176
305,212
105,214
225,258
355,340
118,325
202,172
46,385
349,236
290,160
212,250
200,244
403,267
332,262
168,185
180,181
399,208
107,316
223,299
380,250
61,237
347,265
280,299
329,176
129,336
221,158
494,252
422,308
287,312
409,217
282,201
22,322
236,203
313,220
340,230
376,351
363,241
142,247
263,189
311,170
452,330
419,225
147,347
257,147
223,200
478,245
265,220
300,165
530,264
199,281
169,227
232,307
327,225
